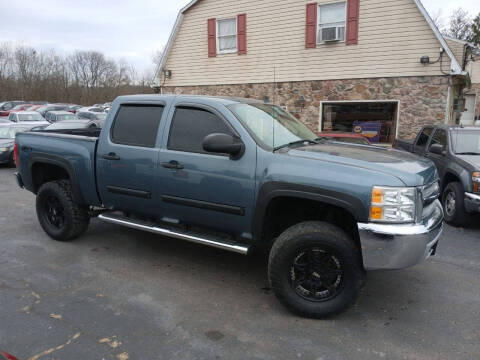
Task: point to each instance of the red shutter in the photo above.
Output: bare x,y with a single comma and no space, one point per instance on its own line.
212,37
242,34
311,27
352,22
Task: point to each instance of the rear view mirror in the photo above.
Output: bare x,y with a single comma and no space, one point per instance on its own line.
224,144
436,149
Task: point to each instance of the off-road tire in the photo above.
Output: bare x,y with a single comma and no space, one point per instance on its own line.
76,218
459,217
315,235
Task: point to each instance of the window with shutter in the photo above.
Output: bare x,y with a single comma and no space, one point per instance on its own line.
331,22
227,36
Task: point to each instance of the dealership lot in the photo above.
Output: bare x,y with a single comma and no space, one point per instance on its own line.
118,293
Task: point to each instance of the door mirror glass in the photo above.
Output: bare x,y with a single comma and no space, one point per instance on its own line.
436,149
224,144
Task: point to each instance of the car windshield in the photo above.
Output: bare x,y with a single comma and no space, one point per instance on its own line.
466,142
66,125
271,125
30,117
9,132
62,117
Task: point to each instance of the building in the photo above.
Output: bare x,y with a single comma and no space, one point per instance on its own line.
334,64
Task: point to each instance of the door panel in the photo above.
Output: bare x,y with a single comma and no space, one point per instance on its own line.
127,159
206,189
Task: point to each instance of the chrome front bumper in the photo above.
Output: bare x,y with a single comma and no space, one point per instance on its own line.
472,202
387,246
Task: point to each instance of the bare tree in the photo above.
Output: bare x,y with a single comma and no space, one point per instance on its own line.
459,25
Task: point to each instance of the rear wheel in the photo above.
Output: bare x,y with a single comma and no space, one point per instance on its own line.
315,269
453,200
60,217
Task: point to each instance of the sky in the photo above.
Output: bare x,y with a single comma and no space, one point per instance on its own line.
130,30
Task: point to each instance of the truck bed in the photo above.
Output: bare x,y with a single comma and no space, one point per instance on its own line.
75,149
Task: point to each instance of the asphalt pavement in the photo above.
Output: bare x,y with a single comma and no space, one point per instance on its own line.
118,293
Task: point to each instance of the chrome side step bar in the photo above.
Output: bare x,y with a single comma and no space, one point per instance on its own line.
208,240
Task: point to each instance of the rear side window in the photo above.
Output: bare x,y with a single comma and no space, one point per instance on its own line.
137,125
424,136
190,126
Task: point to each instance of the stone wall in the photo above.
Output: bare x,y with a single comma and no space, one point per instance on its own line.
422,99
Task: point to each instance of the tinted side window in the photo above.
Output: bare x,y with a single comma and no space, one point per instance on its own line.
137,125
440,137
424,136
190,126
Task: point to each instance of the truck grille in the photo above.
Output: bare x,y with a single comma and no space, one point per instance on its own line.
428,194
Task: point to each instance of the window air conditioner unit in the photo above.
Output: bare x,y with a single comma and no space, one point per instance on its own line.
329,34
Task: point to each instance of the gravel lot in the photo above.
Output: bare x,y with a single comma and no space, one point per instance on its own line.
118,293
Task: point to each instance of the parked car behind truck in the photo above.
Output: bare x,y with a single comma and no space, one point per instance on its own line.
455,150
237,173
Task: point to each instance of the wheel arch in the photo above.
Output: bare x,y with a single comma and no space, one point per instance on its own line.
45,168
330,206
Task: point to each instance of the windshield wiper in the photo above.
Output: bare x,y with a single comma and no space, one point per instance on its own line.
467,153
293,143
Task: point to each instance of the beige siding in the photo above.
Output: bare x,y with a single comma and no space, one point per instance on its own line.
393,35
457,48
474,70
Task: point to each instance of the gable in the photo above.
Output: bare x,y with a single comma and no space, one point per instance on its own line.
393,35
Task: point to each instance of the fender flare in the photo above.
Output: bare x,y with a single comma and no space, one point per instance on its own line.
271,190
62,163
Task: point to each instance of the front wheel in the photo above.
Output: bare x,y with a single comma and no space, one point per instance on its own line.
315,269
59,215
453,200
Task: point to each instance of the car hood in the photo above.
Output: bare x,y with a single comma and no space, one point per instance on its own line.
472,160
411,169
6,142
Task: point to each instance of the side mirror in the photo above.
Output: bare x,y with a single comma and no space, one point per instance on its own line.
436,149
224,144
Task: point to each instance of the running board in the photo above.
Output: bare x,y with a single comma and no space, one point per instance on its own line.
208,240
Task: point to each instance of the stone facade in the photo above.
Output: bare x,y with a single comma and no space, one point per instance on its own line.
422,98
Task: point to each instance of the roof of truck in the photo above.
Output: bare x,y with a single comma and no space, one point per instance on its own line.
225,100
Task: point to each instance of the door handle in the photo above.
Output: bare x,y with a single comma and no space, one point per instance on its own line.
172,165
111,156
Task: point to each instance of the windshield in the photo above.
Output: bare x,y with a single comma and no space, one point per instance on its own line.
9,132
465,141
30,117
62,117
271,125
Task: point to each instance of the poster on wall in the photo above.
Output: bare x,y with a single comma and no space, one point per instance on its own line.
370,130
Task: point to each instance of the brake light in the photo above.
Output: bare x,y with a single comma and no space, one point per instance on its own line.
15,154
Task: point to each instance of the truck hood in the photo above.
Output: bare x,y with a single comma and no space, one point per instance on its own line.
411,169
472,160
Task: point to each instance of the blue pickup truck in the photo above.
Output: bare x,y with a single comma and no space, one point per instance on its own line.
236,173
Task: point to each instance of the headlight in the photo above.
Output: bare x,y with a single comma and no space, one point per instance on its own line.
476,182
3,149
393,204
